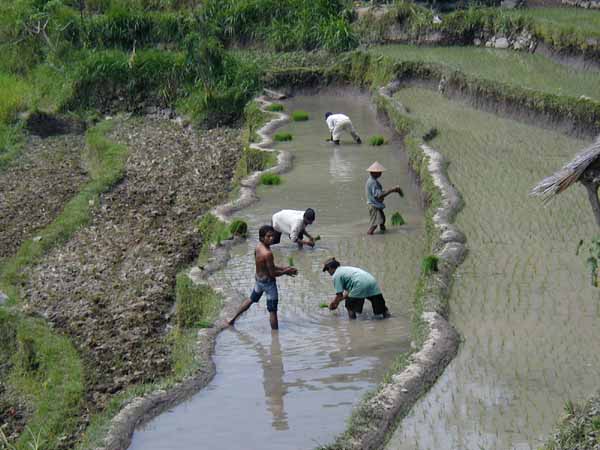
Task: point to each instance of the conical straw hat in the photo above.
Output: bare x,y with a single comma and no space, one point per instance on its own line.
376,167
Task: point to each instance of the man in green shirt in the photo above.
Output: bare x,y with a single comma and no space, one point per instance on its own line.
353,285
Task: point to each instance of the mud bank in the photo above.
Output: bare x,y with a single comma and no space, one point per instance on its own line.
110,286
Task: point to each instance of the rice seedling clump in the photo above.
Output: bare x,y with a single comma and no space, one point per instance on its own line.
377,140
282,137
275,107
238,228
270,179
429,264
299,116
397,219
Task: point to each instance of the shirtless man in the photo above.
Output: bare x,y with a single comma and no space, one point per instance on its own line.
266,272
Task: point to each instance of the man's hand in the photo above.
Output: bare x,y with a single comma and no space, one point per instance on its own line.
311,242
333,305
399,191
291,271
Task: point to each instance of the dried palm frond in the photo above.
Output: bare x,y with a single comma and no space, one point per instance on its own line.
571,172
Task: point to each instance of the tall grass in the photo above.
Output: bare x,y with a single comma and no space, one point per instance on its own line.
47,371
13,97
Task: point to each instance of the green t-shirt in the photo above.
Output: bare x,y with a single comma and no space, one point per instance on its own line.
358,283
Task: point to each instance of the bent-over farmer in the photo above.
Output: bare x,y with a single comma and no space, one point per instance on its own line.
294,223
337,124
266,274
375,196
353,285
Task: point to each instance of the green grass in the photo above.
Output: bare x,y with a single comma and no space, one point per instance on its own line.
196,306
584,22
48,373
283,137
429,264
323,305
531,71
13,97
275,107
376,140
299,116
270,179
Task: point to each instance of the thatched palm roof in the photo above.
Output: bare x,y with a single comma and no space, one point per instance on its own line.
571,172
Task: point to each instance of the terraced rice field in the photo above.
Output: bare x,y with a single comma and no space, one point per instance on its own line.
522,300
520,69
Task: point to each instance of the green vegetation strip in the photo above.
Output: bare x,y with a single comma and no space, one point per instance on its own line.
48,373
531,71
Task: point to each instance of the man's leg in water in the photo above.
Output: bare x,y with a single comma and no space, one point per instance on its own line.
273,320
242,309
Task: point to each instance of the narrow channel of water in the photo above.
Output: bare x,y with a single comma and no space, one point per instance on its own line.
295,389
522,300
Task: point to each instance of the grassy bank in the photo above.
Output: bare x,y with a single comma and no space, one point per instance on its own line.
529,71
580,429
47,373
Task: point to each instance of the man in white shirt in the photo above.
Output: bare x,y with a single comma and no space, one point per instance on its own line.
294,223
339,123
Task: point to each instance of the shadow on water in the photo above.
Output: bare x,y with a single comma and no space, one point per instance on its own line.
295,388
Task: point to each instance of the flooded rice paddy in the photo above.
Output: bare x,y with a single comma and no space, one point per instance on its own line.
295,388
522,300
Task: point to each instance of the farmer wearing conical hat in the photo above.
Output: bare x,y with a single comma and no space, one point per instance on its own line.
337,124
352,285
375,196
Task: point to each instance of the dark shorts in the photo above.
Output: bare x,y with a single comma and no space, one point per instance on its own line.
356,304
269,287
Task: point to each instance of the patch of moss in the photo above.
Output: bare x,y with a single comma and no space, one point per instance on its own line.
275,107
283,137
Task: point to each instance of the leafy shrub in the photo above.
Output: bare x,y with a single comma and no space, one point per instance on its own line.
282,137
377,140
196,306
275,107
270,179
299,116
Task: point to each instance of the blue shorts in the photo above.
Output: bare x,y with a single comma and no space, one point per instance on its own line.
269,287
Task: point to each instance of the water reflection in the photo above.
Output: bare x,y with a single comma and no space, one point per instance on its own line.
340,168
273,384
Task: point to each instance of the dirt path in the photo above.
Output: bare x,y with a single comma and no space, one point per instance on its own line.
35,189
111,286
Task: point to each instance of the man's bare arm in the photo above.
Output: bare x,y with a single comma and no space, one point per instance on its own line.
339,297
275,271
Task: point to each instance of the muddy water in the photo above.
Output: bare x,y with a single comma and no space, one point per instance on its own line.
522,299
295,388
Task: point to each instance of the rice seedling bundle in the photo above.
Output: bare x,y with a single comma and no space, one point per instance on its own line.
377,140
282,137
397,219
299,116
270,179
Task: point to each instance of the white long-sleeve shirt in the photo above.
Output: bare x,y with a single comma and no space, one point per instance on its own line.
289,221
335,119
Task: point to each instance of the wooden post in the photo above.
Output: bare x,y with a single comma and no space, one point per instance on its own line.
592,191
